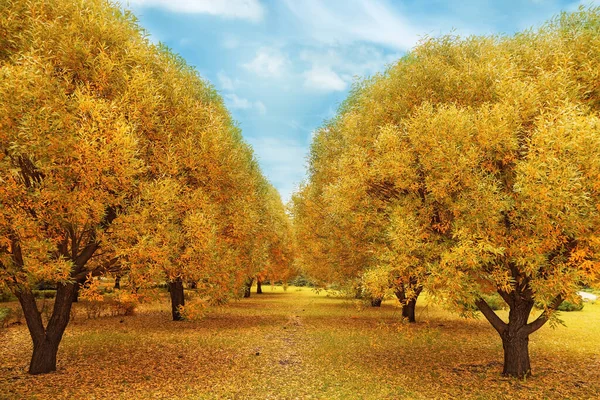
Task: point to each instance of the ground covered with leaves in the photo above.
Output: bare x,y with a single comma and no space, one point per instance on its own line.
300,344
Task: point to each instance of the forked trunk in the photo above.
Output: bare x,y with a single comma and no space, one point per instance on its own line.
247,287
258,286
515,333
177,299
376,301
515,340
43,359
46,340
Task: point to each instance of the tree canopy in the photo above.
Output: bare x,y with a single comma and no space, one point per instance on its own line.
115,155
470,166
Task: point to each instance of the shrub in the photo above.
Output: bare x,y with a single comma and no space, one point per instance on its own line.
495,301
568,306
4,315
44,294
302,280
6,296
124,303
10,316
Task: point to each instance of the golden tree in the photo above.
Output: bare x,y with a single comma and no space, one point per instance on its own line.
113,154
484,154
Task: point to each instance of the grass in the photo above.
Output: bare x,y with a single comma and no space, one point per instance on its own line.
298,344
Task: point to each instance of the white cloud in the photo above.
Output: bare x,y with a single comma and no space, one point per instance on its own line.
235,102
268,63
324,79
343,21
282,159
333,68
251,10
225,81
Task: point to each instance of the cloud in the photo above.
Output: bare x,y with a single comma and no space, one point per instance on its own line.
234,102
333,68
267,63
225,81
282,159
322,78
343,21
251,10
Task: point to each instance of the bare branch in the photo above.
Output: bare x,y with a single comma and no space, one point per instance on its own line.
499,325
544,317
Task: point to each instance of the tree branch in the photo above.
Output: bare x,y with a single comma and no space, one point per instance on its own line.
544,317
499,325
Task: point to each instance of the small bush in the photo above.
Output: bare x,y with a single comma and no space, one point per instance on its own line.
4,314
124,303
302,280
10,316
6,296
44,294
495,301
568,306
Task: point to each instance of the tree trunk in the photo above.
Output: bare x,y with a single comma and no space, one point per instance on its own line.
177,299
408,305
247,287
408,310
193,285
117,282
515,340
515,334
376,301
46,340
258,286
516,356
43,359
76,293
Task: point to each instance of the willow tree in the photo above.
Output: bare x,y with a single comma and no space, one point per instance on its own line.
69,157
278,236
190,222
113,153
486,151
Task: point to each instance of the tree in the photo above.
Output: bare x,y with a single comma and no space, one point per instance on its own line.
485,154
69,157
115,156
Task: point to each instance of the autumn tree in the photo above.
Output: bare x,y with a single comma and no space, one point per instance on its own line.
485,152
114,156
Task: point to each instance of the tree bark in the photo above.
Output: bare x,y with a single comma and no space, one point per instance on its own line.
258,286
247,287
177,299
117,282
76,293
376,301
46,340
408,310
515,333
408,305
516,356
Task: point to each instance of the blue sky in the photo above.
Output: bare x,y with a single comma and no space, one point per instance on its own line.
284,66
